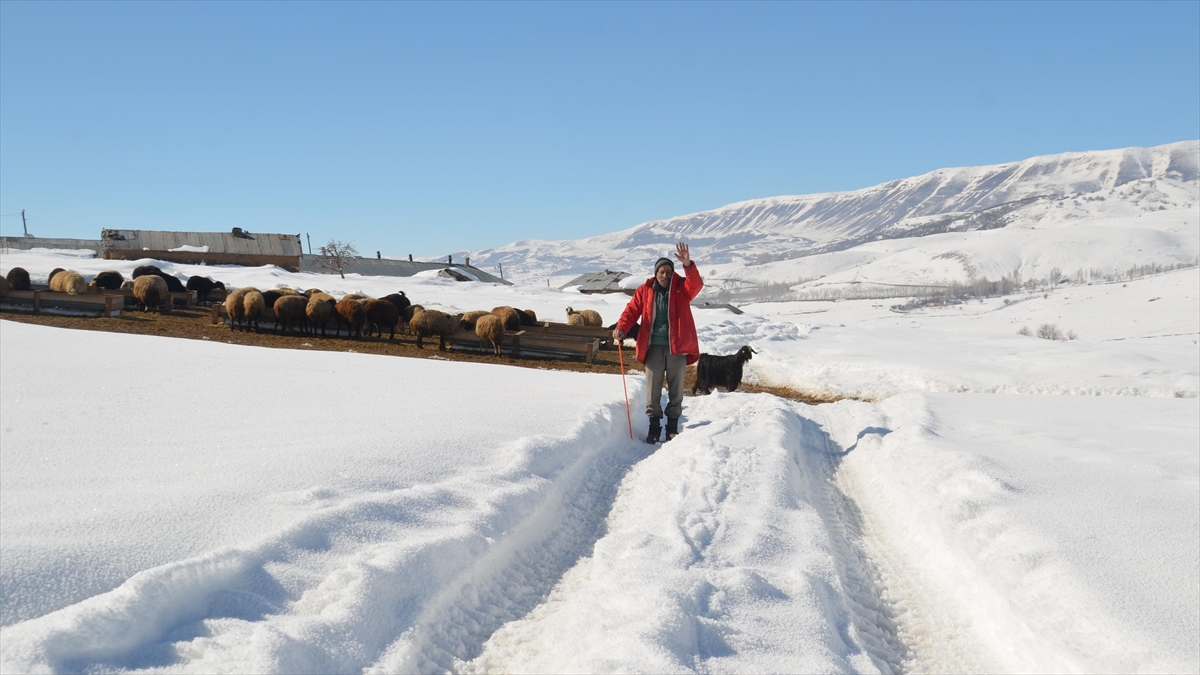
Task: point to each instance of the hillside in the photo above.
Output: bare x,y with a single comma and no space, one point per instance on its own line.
1159,183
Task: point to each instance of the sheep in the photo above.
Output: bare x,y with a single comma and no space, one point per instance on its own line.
725,371
532,316
235,307
525,318
319,310
575,320
68,281
311,292
399,299
471,319
254,305
430,322
350,309
590,317
127,285
512,320
174,285
270,296
151,291
54,272
18,279
633,332
490,328
290,308
109,280
203,286
407,315
382,314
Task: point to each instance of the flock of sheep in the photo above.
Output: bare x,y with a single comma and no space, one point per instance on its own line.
313,310
151,286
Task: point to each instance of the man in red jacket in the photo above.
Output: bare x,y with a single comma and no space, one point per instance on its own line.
666,341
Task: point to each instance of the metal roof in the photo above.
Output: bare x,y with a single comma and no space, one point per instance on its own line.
390,267
237,241
593,282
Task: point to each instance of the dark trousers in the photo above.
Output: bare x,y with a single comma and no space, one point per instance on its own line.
659,362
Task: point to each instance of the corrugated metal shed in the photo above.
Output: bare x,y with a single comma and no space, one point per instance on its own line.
236,242
390,267
597,282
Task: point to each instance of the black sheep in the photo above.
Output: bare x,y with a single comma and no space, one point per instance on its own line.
18,279
524,317
203,286
110,280
143,270
400,300
633,332
174,285
725,371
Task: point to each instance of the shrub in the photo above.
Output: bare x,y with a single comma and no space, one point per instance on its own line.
1025,331
1049,331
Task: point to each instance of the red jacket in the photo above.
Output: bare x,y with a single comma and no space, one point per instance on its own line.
679,314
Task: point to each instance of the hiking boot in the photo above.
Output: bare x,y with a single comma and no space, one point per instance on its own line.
672,427
655,431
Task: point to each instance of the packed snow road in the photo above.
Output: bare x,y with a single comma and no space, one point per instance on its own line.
440,523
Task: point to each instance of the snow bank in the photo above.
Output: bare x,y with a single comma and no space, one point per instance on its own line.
1032,534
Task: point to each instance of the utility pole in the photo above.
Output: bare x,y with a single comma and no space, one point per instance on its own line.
24,227
306,236
501,266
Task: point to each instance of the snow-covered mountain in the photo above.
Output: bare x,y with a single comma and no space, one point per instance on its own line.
1161,181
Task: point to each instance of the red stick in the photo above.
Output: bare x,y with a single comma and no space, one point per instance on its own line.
628,416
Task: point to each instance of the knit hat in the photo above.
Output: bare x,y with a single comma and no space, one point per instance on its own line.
663,261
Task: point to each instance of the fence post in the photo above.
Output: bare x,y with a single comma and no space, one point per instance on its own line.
37,302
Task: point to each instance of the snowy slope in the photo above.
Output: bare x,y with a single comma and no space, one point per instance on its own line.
1001,504
969,198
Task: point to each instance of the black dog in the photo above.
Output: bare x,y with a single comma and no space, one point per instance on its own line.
725,371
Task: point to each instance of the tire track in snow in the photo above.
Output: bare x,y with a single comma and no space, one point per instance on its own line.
873,617
437,566
726,550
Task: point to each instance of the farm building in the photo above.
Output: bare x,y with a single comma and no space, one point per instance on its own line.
390,267
237,247
29,241
598,282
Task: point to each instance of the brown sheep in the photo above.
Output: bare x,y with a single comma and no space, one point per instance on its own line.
352,311
235,307
68,281
253,304
590,317
54,272
532,315
430,322
512,320
151,291
469,319
382,314
319,311
490,328
407,315
290,308
18,279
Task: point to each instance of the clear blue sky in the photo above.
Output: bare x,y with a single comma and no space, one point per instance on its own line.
428,128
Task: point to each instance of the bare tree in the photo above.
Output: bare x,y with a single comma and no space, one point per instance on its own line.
336,256
1056,276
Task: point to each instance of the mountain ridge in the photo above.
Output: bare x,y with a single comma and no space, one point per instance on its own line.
809,224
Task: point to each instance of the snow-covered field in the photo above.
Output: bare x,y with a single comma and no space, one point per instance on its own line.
995,503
